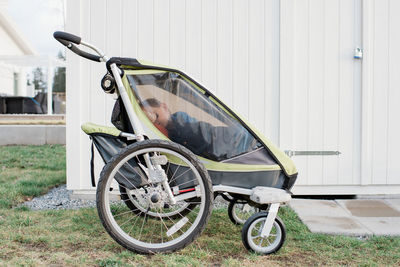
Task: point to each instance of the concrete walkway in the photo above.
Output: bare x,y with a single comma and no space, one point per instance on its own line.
356,217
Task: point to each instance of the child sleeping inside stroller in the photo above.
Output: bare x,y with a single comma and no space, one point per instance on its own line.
197,136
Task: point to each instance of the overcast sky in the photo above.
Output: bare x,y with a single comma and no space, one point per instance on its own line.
37,20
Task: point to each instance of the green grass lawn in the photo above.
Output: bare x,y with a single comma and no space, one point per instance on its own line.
76,237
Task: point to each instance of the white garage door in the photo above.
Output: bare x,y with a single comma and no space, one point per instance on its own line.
321,89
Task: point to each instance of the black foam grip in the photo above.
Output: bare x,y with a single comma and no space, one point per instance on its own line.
67,36
68,42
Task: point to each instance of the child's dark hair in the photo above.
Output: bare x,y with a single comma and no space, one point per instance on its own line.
152,102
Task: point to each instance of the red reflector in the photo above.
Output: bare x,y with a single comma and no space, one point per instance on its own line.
186,190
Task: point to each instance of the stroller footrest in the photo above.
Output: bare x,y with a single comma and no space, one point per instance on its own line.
268,195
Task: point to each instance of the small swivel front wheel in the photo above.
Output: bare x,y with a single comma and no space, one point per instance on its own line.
239,211
252,239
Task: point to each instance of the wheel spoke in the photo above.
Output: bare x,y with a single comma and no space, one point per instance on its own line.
126,212
173,223
186,182
172,177
191,211
125,179
134,223
141,228
162,223
179,176
168,167
161,227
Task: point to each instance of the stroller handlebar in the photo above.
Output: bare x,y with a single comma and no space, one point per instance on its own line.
70,41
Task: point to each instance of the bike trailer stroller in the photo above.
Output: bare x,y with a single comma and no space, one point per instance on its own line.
174,148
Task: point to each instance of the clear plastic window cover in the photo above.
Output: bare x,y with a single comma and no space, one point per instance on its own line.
188,117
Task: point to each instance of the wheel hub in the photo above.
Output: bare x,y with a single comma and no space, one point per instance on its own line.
155,197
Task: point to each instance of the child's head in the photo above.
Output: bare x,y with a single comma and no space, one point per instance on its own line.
157,112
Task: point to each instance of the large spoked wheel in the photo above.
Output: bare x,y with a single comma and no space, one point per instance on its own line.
152,224
239,211
251,234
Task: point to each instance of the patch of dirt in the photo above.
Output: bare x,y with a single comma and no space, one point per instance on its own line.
297,258
35,246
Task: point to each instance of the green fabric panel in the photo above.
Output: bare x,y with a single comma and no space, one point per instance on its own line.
90,128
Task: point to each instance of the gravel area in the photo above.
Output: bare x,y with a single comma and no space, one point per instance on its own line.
59,198
56,199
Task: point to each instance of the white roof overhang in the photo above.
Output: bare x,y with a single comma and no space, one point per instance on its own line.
15,34
32,61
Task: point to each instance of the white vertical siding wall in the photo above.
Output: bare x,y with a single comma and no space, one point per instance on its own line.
231,47
383,92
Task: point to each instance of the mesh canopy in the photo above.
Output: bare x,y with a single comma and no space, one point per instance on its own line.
183,114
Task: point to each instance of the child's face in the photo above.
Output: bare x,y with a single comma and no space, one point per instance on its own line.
158,115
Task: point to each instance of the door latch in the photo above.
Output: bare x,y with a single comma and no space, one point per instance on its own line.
358,53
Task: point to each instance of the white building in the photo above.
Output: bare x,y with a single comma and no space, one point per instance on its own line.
291,67
12,77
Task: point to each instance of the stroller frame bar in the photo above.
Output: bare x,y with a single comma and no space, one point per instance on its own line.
272,213
258,194
103,56
138,130
133,118
232,189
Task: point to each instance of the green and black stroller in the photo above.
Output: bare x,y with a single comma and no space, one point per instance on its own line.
174,148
